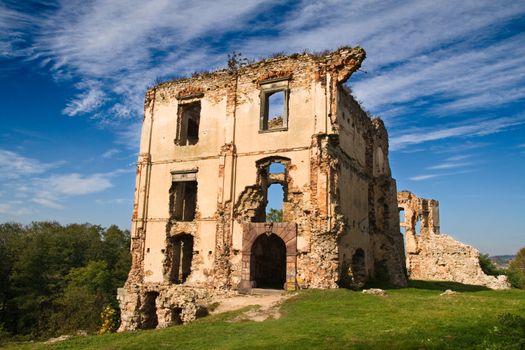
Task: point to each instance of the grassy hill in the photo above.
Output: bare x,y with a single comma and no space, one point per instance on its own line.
412,318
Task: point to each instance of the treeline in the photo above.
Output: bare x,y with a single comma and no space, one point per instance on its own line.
58,279
515,272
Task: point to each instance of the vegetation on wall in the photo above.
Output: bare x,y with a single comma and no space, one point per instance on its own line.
58,279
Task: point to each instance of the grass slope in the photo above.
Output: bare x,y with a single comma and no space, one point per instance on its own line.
411,318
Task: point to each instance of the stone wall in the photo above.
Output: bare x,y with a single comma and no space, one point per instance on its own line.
436,257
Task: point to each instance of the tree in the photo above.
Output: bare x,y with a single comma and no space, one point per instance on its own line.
8,233
56,279
79,306
274,215
516,271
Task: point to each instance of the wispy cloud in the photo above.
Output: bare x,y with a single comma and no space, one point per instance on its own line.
14,165
14,208
449,165
110,153
452,163
430,57
85,102
479,128
28,180
434,175
76,184
113,201
457,148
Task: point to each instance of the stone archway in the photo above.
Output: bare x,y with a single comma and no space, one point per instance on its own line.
268,262
285,233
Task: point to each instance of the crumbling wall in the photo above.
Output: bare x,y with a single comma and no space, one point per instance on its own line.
437,257
173,304
368,197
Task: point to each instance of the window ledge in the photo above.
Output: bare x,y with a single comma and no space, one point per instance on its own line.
273,130
179,144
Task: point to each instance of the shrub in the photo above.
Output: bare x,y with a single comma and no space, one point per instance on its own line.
108,317
516,270
488,266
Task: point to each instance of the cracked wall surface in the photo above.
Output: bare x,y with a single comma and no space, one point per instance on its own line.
434,256
339,210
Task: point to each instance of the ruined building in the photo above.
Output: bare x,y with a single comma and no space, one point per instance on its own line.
436,257
211,147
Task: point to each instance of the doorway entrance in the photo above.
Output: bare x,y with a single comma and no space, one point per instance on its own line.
268,262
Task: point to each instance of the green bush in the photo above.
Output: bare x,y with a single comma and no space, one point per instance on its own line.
488,266
510,333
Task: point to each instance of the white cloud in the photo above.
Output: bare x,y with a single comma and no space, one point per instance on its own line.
113,201
76,184
48,203
423,177
14,208
110,153
14,165
27,180
85,102
452,163
431,176
478,128
449,165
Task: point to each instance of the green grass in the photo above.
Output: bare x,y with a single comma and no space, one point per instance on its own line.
409,318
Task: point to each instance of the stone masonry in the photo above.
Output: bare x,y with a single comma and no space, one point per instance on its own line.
212,145
433,256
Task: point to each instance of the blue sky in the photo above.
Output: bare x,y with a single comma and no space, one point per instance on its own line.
448,78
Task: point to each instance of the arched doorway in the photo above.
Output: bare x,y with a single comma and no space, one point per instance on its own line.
268,262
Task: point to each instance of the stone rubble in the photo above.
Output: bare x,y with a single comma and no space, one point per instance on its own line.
436,257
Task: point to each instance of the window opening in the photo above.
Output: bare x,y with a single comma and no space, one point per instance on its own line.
274,206
276,168
418,227
181,257
176,316
275,106
188,123
149,311
183,200
401,215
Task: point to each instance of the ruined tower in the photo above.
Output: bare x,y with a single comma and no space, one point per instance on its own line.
213,144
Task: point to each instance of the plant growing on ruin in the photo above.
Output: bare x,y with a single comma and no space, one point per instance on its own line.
236,61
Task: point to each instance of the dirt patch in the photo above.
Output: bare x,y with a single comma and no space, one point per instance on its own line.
267,306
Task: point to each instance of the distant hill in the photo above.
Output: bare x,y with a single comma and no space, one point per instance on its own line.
502,261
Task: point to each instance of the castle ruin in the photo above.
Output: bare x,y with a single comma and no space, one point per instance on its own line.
211,147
